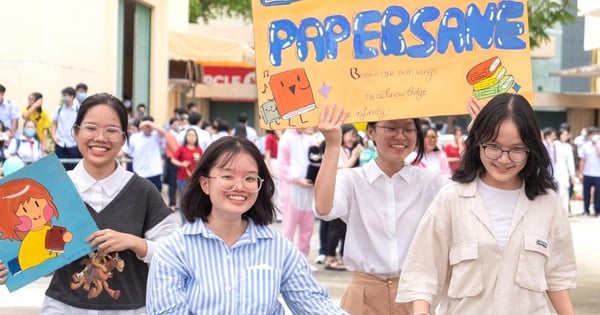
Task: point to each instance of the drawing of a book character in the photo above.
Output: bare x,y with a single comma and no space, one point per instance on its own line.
26,212
292,93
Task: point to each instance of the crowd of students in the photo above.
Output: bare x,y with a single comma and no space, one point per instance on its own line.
488,236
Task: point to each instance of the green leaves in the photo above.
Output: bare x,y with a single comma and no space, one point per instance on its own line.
543,15
210,9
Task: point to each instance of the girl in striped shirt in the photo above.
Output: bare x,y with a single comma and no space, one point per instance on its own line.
226,260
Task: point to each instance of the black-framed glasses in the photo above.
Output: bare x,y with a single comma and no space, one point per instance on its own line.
392,131
494,152
91,131
250,183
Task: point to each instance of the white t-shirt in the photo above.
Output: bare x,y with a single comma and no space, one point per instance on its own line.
500,204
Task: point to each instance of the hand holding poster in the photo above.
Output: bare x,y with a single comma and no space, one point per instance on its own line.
386,59
43,222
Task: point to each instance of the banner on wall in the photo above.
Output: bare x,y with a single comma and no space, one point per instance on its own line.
386,59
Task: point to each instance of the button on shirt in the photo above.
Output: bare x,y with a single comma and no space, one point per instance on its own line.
194,272
382,214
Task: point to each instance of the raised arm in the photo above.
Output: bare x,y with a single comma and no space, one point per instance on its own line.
330,123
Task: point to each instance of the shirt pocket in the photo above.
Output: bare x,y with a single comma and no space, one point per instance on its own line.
466,279
532,262
259,290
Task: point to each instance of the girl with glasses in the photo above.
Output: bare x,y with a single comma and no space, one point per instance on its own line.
497,240
381,202
130,212
226,260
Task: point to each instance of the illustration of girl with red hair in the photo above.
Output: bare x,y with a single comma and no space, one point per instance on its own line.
26,211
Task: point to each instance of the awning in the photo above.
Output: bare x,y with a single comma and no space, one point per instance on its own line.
208,50
590,71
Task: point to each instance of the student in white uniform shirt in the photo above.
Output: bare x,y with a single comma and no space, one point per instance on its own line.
381,202
497,240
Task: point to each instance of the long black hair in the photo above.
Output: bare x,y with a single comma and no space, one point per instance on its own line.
508,107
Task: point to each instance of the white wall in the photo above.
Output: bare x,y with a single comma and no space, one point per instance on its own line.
49,45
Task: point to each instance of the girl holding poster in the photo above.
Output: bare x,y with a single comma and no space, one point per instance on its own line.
497,240
381,202
129,211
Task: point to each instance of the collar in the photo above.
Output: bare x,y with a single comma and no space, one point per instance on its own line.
253,231
110,184
372,172
22,137
470,189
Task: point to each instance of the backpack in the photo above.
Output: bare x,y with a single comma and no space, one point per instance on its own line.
18,139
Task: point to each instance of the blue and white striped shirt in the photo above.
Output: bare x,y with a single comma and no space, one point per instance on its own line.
194,272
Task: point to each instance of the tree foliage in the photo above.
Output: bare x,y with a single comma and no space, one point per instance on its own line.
210,9
543,14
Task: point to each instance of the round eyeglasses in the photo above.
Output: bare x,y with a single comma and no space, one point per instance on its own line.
392,131
250,183
493,152
91,131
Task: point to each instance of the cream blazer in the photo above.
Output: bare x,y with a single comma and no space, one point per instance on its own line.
455,260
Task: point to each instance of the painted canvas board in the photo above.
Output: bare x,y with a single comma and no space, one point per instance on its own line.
43,222
386,59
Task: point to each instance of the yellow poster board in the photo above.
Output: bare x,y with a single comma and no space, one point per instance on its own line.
384,59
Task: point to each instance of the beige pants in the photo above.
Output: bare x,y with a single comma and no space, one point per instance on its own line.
369,295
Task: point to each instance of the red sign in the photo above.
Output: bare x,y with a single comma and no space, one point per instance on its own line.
228,75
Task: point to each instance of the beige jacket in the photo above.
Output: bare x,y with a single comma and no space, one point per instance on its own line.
455,260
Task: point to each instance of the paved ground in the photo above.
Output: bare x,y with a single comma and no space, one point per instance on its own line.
586,235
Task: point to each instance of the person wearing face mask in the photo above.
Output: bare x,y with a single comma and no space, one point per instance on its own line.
26,146
80,93
40,117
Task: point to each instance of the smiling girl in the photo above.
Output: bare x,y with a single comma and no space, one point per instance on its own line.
226,260
497,240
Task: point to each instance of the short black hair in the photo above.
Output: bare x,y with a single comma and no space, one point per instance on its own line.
68,91
2,88
81,86
242,118
190,105
194,118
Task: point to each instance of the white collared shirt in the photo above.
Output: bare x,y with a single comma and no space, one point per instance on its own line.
64,117
382,214
9,111
98,194
145,152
